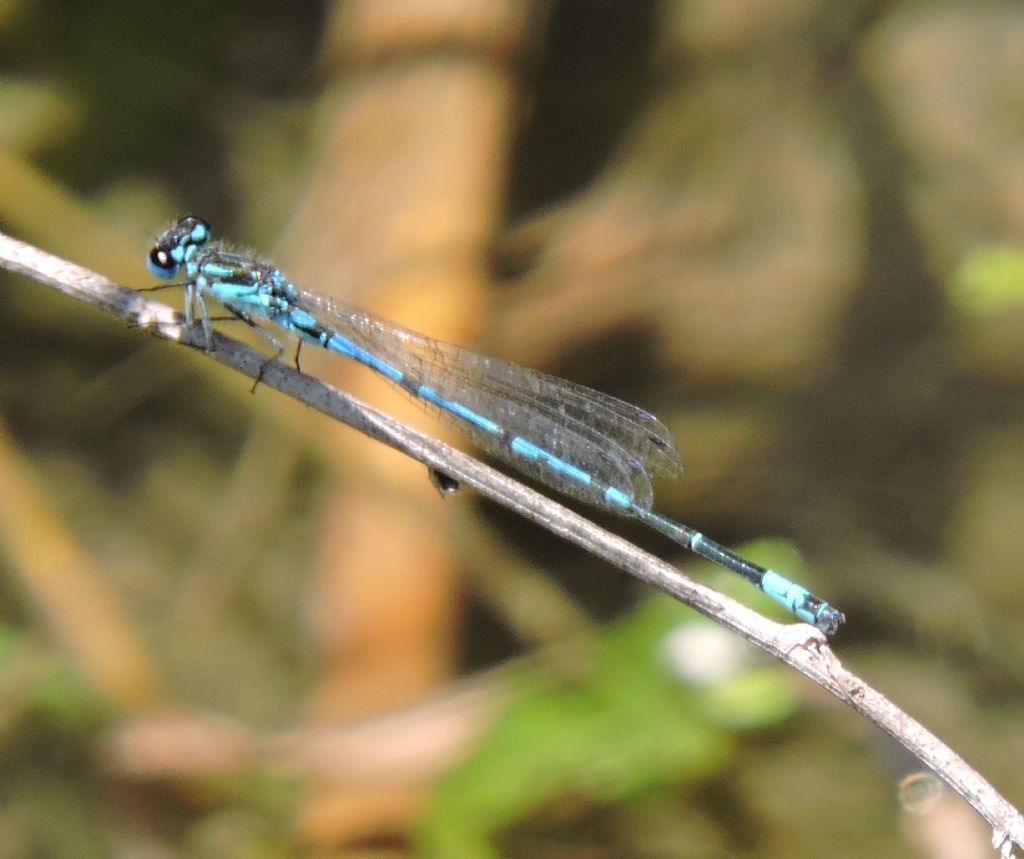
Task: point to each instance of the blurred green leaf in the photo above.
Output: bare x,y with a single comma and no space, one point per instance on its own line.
989,280
630,726
38,683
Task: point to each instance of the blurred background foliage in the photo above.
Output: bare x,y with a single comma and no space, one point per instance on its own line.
791,229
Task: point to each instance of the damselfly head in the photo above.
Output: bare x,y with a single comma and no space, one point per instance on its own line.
168,251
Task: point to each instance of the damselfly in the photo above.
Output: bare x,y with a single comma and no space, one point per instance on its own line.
589,445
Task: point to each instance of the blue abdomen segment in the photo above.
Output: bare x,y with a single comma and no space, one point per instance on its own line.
797,599
616,498
558,466
343,346
425,392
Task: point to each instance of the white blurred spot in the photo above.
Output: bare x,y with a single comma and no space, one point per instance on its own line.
704,654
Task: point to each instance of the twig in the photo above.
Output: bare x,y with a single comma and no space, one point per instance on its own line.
798,645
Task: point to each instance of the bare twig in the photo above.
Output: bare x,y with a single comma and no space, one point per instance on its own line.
800,646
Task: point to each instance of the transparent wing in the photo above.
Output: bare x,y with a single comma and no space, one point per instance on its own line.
615,442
